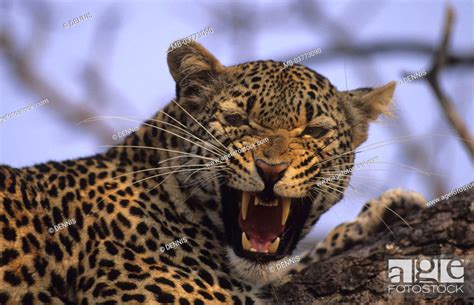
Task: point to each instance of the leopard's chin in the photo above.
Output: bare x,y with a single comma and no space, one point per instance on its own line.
262,227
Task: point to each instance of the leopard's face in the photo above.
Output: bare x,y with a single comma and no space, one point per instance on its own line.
290,128
287,130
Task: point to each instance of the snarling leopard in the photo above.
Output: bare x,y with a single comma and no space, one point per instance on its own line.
199,204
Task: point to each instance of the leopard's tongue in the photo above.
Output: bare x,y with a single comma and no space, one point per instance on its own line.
263,223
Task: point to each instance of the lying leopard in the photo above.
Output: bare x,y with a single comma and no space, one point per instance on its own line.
164,218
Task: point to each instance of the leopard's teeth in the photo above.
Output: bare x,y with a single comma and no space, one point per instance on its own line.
286,210
245,242
274,245
256,201
245,204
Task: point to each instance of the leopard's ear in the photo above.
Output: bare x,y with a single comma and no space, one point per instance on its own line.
365,105
195,71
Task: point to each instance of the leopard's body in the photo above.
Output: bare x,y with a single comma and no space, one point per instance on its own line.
125,211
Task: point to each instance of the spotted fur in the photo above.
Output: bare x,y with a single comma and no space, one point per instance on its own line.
126,209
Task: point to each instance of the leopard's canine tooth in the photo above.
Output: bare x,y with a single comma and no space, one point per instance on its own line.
245,242
286,210
274,245
245,204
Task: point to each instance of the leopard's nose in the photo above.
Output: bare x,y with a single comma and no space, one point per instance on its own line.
270,173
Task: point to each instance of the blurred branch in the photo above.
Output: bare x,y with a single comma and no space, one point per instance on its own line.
394,47
23,62
439,62
68,110
97,88
343,45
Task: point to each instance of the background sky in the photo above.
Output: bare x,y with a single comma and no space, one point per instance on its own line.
114,63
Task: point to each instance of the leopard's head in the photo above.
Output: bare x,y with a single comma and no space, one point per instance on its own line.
287,129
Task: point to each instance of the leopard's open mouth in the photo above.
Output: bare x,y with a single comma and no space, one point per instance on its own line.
262,227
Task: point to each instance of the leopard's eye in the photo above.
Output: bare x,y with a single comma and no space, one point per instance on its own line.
315,132
235,120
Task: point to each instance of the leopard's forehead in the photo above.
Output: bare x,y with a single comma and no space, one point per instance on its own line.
278,97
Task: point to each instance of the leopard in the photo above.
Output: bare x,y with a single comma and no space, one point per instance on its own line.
199,204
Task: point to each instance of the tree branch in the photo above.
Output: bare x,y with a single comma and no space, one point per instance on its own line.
359,275
438,63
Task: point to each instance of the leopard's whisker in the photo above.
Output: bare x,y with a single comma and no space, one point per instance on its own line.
378,170
162,174
388,227
165,167
351,163
211,178
104,117
322,191
368,147
398,215
353,176
274,293
192,117
361,170
192,135
197,187
218,172
175,120
159,128
337,187
160,183
385,206
216,162
352,188
180,186
392,163
401,139
186,128
159,149
190,175
130,118
197,180
378,145
172,158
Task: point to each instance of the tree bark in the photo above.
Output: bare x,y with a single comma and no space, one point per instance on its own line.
360,274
